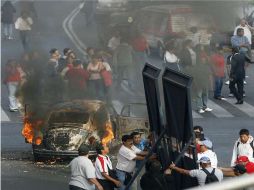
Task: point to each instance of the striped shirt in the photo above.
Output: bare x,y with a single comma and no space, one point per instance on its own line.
102,164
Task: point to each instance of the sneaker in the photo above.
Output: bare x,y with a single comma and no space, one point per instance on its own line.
244,82
230,95
201,111
217,97
227,82
10,38
208,109
239,102
14,110
244,95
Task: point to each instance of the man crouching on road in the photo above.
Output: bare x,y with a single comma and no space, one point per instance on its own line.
83,172
126,160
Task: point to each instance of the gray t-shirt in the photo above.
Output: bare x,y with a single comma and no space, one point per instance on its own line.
201,175
81,170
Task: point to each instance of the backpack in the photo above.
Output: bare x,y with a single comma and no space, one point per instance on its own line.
251,144
210,177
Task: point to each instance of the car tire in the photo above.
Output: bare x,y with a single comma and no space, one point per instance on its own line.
37,158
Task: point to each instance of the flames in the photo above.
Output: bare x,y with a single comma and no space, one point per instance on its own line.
31,131
108,135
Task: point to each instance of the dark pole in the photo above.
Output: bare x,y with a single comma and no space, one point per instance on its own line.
146,158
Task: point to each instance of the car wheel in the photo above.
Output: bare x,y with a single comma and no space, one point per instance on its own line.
37,158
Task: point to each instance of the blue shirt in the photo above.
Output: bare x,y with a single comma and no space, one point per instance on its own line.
141,146
237,41
143,143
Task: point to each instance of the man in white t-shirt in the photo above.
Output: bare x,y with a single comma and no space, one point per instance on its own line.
83,172
205,147
201,174
126,160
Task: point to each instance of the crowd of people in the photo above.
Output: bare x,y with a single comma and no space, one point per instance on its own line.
133,151
205,60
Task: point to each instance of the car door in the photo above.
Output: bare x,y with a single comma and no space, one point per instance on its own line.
133,117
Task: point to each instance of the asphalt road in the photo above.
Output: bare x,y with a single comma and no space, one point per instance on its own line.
18,169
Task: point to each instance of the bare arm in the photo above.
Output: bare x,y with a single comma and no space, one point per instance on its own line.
179,170
139,157
143,153
96,183
228,172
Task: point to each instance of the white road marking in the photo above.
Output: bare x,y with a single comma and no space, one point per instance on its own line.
4,116
245,107
67,26
218,111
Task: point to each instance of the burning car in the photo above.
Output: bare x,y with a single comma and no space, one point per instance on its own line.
67,126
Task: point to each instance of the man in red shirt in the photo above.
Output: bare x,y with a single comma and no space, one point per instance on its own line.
244,160
77,78
218,68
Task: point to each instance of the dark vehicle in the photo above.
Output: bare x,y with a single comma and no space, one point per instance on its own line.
70,124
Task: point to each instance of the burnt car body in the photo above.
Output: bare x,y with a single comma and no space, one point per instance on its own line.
70,124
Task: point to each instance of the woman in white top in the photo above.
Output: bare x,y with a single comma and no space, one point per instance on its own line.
95,82
23,24
170,59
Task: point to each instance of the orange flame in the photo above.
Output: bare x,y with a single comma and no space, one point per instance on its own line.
30,130
109,135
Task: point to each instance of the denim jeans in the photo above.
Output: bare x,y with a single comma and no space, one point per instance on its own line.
218,83
24,36
121,177
12,88
202,98
7,29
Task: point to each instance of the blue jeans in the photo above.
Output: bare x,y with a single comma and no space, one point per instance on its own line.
121,178
24,36
202,98
7,29
218,83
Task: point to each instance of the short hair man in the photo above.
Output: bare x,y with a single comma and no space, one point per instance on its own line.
126,160
244,25
83,172
200,174
62,62
103,166
243,146
240,41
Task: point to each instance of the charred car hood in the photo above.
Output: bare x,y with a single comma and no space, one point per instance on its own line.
66,137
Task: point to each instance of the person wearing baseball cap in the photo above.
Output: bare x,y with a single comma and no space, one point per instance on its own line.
200,174
244,160
205,151
83,172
